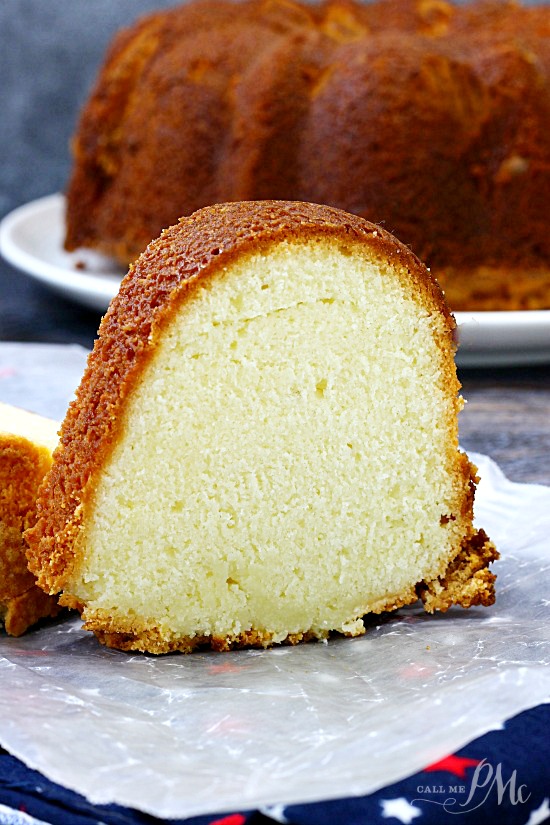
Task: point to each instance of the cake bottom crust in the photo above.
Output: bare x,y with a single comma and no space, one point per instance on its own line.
21,612
466,582
22,602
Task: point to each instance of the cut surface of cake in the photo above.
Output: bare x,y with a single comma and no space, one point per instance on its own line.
27,441
264,446
428,117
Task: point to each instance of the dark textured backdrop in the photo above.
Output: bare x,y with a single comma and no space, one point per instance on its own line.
50,51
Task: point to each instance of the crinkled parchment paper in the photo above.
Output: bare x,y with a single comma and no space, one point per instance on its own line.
182,735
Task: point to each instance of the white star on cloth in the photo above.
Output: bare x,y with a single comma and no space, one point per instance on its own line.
400,809
276,812
13,817
540,815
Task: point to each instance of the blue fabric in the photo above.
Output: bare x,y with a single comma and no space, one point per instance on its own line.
502,778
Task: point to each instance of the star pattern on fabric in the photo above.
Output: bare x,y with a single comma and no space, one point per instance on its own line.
232,819
276,812
399,809
540,815
456,765
13,817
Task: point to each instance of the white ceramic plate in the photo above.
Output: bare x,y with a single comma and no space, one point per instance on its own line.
31,239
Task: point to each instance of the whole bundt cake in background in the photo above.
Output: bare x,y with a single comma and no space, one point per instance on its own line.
429,118
263,447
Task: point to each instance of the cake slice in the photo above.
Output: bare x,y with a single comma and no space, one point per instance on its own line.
26,445
263,447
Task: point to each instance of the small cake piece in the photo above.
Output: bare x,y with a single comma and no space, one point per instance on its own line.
26,445
263,447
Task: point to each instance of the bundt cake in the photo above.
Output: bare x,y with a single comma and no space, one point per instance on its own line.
430,118
26,444
263,447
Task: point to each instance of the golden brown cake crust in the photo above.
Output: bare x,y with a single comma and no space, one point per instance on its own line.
196,248
467,580
22,468
442,136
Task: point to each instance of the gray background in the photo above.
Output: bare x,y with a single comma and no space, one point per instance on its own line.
50,52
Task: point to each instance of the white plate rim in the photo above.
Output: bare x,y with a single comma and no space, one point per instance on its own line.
93,289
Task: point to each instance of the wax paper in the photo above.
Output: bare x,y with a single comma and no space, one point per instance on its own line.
182,735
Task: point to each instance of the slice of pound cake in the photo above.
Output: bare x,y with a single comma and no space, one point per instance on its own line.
264,444
26,445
